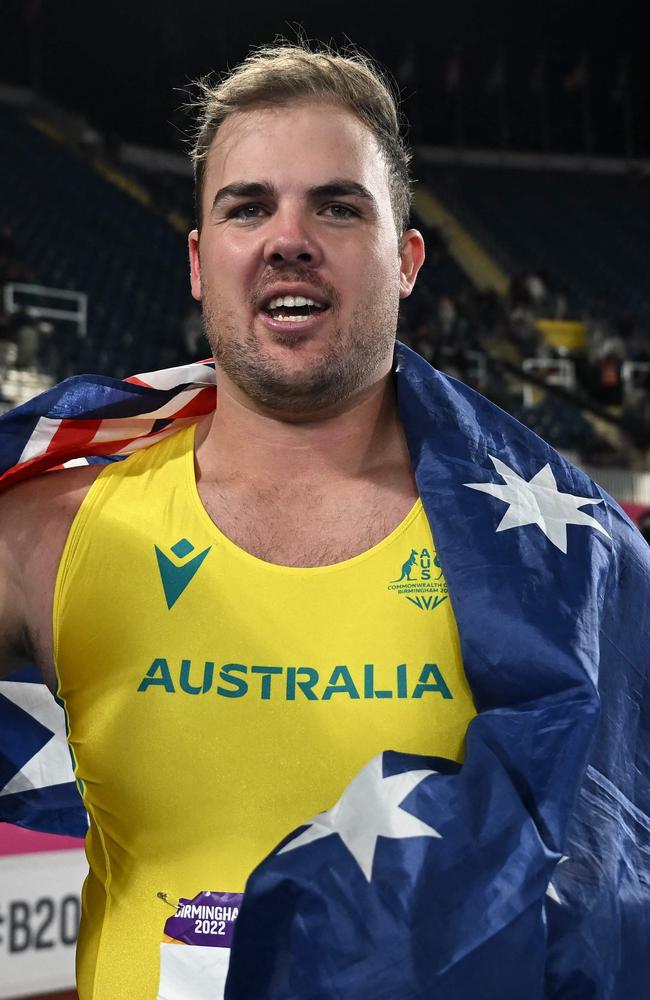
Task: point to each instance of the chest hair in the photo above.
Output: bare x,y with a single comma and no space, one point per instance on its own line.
305,527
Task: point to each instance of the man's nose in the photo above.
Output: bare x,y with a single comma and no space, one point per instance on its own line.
290,240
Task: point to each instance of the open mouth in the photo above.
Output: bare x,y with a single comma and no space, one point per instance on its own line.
293,308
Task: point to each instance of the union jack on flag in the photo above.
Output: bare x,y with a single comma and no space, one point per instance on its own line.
90,418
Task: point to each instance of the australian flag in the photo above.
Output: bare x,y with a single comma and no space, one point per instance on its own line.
524,873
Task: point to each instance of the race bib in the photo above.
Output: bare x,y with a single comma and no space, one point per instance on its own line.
195,949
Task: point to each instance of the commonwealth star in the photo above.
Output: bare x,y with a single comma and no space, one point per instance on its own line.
538,501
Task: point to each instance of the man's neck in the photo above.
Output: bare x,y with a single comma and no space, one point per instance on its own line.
238,442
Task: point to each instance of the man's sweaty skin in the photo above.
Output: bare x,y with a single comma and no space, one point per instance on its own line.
285,464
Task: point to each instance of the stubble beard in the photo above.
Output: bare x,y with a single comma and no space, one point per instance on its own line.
349,363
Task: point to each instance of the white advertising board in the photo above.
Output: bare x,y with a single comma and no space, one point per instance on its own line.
39,920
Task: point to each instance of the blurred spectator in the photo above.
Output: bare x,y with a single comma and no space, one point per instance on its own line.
536,289
531,290
193,339
49,354
447,316
525,335
27,340
560,305
608,384
8,354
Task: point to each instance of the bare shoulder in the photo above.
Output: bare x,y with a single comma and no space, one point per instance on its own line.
34,513
35,518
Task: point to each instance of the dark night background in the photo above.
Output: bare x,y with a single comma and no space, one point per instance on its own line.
124,64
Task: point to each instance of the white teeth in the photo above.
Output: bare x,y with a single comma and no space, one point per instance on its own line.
290,301
290,319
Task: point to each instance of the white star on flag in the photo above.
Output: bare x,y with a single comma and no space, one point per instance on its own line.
369,808
51,765
539,502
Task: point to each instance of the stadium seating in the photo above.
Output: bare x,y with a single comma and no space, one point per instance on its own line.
77,230
588,232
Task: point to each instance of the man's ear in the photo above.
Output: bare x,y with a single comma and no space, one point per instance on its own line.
411,260
195,264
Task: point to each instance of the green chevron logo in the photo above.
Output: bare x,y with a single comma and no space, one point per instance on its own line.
176,576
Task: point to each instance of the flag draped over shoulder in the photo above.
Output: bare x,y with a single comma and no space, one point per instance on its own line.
525,871
93,418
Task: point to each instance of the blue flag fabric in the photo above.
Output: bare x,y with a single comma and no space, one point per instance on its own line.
523,874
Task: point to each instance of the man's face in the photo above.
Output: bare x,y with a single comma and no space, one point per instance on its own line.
298,265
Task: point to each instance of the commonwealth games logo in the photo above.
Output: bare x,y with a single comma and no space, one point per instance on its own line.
421,581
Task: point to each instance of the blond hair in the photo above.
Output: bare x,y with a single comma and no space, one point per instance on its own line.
277,75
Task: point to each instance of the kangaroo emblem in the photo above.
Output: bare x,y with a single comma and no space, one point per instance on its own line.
407,567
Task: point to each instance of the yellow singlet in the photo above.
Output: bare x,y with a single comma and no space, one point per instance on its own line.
215,702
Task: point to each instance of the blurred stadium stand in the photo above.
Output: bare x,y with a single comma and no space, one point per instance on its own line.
588,231
74,228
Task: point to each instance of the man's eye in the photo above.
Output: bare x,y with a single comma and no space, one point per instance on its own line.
341,211
245,212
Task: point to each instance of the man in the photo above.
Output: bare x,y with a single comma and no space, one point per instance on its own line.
246,614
